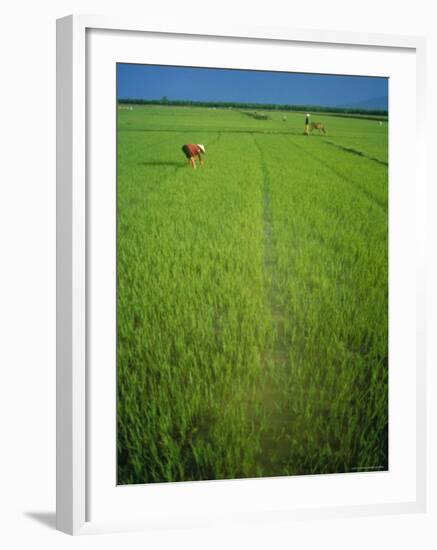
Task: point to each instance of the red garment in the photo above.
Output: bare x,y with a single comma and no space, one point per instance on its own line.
191,150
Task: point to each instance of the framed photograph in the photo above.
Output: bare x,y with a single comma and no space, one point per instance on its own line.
240,228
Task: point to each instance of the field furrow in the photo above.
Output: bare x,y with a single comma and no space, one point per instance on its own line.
359,173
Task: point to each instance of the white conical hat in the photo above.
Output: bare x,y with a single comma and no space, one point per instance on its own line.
201,147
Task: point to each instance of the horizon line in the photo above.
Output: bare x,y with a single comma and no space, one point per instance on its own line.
198,102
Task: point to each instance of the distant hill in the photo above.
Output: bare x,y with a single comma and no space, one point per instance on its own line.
369,104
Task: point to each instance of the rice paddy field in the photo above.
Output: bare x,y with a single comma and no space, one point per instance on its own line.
252,296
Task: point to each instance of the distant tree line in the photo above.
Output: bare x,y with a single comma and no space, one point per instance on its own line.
259,106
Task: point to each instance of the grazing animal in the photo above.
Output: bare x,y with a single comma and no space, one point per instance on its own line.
318,126
194,152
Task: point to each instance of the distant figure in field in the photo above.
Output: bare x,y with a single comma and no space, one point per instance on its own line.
284,119
307,124
318,126
193,152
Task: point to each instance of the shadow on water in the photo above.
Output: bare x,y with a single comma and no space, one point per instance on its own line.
168,163
45,518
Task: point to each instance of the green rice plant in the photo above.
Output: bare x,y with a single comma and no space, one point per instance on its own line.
251,297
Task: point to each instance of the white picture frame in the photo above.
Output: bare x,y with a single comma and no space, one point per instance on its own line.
74,461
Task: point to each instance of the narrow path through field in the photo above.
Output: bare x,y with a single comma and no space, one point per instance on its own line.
273,290
274,452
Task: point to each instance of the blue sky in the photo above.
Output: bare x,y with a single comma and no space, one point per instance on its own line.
154,82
